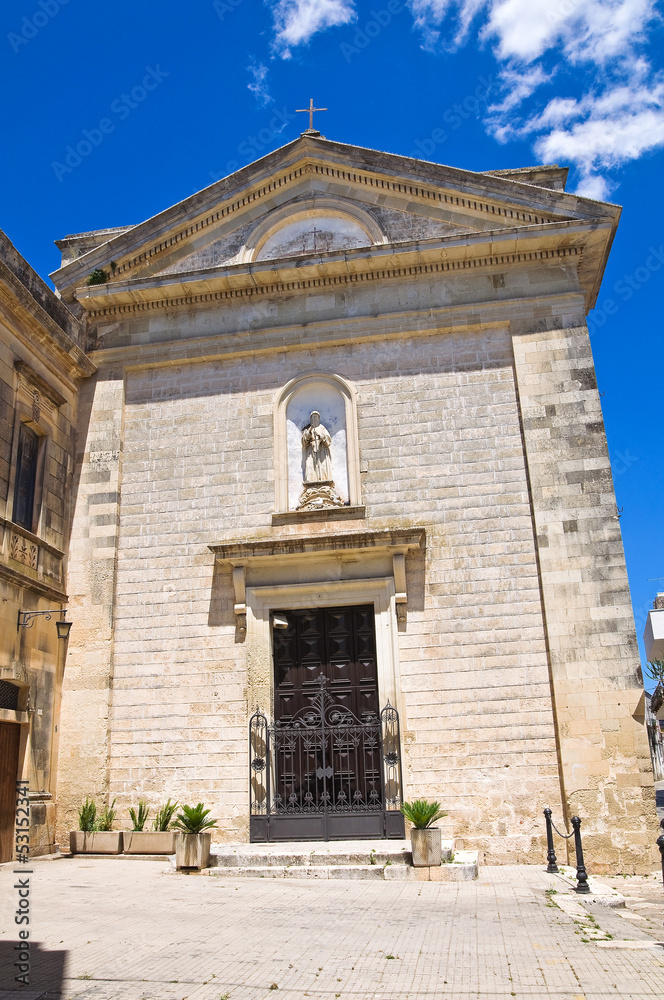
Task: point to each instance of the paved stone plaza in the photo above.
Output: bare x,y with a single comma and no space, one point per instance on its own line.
134,930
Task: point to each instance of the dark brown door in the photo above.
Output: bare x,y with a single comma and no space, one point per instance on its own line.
326,741
10,734
337,643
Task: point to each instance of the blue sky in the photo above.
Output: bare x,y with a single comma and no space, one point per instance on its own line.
169,97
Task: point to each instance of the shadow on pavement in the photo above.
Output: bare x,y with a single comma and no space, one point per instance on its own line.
42,972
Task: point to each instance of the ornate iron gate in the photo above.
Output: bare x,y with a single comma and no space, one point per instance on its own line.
325,775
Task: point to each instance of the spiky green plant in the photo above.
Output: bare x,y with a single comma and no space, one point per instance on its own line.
107,817
422,813
87,816
193,819
139,819
162,820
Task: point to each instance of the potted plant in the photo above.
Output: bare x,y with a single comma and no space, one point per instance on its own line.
159,840
425,839
192,842
95,834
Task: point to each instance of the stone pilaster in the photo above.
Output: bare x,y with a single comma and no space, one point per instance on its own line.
595,677
88,678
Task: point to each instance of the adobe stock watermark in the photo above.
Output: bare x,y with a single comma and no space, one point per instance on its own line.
621,461
626,287
254,145
22,884
225,7
365,34
31,26
454,117
121,108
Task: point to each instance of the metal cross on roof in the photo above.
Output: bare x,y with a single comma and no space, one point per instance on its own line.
310,111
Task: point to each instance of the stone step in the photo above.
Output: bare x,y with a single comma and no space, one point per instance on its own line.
301,871
464,868
387,860
317,854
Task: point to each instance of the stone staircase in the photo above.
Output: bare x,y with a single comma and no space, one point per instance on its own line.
387,860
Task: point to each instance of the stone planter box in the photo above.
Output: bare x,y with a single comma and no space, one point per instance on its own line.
426,847
192,850
149,841
102,842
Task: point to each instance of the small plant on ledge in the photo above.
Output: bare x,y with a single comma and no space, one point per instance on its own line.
98,277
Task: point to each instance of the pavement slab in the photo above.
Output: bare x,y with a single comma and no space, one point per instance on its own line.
107,929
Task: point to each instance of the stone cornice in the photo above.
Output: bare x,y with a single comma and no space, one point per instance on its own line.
389,540
561,240
32,324
481,195
24,580
39,383
467,316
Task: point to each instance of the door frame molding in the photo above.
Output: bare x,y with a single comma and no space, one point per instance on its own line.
261,601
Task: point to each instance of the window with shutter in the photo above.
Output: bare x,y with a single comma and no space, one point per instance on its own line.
26,477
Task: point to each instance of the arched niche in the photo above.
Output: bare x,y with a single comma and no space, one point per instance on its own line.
315,225
334,399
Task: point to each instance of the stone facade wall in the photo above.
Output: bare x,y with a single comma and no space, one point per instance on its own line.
479,422
441,444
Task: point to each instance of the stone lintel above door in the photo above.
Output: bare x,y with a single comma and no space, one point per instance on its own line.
318,560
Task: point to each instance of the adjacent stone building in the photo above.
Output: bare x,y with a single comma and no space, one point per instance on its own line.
41,364
344,423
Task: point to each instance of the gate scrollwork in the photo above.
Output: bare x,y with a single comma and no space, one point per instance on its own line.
324,761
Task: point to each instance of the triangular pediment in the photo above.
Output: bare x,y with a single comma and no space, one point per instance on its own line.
313,197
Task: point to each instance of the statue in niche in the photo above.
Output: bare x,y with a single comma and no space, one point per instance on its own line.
318,486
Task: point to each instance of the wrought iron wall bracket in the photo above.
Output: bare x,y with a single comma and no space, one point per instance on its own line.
25,619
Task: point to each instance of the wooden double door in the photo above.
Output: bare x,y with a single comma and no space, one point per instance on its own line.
10,737
338,644
319,768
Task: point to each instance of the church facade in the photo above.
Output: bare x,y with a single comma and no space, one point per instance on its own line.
344,530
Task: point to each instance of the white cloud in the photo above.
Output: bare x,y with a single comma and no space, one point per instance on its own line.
618,126
296,21
597,188
258,86
532,40
587,30
523,30
517,85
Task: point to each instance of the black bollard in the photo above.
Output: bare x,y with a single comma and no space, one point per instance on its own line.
581,873
660,844
550,853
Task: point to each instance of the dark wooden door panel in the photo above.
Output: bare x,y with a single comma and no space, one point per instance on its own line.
10,734
318,770
338,643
